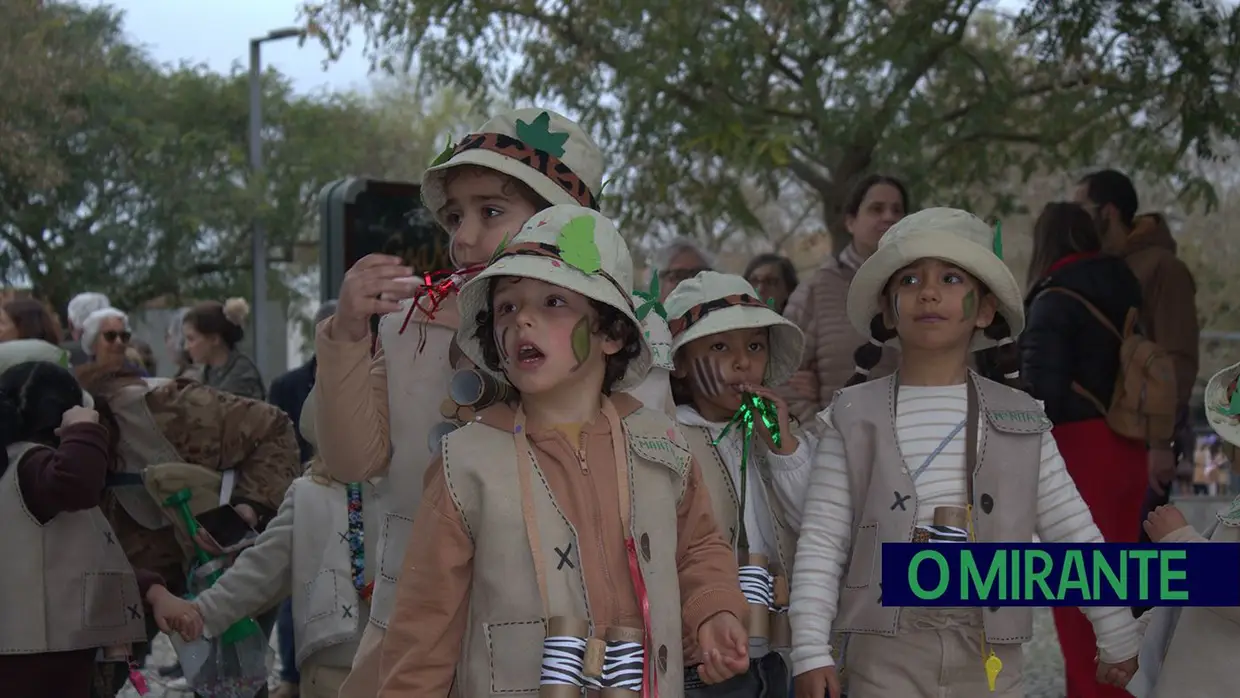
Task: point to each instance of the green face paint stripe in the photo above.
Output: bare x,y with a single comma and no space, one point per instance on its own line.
580,340
970,305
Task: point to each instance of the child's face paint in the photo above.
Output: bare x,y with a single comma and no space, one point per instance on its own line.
968,307
707,377
714,365
581,341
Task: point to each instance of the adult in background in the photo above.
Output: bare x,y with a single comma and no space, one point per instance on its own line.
289,393
1070,361
141,355
682,258
819,306
774,277
27,318
174,342
105,337
212,332
1168,309
80,308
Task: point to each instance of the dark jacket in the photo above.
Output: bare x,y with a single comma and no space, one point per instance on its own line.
1064,343
289,393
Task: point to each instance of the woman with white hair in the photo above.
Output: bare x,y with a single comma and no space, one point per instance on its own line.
106,335
82,305
679,260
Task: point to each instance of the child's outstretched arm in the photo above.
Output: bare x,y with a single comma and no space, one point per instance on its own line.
705,562
351,403
822,553
261,575
1063,517
1167,524
424,635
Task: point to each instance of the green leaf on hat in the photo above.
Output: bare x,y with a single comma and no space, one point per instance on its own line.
445,155
64,359
538,135
998,244
576,243
1233,409
650,299
770,303
499,249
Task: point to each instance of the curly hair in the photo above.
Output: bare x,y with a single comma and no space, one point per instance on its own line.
609,322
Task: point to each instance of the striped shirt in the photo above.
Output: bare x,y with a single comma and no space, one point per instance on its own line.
925,416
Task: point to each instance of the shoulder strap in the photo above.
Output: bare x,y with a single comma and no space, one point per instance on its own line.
1093,309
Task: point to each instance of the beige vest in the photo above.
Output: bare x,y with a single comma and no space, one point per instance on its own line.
142,444
66,584
1005,487
417,382
502,651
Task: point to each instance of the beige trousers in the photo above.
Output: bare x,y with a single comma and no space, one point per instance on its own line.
322,681
364,679
936,654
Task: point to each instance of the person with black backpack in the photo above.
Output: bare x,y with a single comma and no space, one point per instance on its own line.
1077,356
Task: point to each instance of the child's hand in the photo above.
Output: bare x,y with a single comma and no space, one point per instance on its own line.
78,414
1162,521
175,614
817,683
787,442
1117,675
724,645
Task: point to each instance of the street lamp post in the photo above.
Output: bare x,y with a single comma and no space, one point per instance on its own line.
259,237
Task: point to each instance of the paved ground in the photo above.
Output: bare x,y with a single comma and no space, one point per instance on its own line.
1043,664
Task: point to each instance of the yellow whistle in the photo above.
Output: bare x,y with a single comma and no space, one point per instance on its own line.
994,665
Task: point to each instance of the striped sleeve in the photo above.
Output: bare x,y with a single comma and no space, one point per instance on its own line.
1063,517
822,551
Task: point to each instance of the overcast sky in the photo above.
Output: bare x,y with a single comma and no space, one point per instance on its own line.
218,32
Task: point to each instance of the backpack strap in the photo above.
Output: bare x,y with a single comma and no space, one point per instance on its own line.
1093,309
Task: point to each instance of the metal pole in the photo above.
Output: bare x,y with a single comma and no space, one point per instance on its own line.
259,238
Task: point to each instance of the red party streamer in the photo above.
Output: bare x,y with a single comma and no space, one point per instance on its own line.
650,687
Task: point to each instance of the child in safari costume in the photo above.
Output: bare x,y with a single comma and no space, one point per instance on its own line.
730,350
385,409
571,530
935,453
1190,652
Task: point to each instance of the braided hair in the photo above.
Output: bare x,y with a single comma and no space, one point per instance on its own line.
1000,363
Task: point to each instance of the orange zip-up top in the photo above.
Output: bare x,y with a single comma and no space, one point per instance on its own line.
423,642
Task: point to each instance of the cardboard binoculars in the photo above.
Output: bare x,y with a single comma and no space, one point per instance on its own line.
469,392
768,622
573,660
951,525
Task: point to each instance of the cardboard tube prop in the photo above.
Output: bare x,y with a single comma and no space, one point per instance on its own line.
758,588
951,525
624,663
563,660
473,388
781,627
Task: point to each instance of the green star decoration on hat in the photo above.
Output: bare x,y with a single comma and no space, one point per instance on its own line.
445,155
538,135
577,247
998,244
650,299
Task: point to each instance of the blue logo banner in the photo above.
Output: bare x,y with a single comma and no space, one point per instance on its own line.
1060,574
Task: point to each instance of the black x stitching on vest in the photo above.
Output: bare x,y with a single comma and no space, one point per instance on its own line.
564,557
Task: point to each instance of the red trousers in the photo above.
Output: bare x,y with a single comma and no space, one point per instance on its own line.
1110,472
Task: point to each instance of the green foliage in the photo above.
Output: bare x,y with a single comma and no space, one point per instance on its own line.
705,101
143,188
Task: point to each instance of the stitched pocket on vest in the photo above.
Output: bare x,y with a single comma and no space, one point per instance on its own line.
509,648
861,562
320,595
393,538
105,600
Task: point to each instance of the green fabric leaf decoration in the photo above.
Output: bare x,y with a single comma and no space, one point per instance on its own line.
445,155
1233,409
998,244
577,247
538,135
499,249
650,299
64,359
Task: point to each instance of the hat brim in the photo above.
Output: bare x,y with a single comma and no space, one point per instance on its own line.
473,300
786,346
1217,399
868,284
434,190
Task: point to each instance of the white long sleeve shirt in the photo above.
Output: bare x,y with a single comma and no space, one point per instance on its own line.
925,417
789,478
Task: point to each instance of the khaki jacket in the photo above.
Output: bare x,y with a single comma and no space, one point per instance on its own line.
67,584
1005,489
